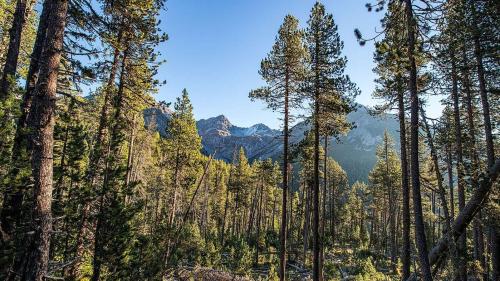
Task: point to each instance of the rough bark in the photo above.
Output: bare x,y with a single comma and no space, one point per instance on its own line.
43,108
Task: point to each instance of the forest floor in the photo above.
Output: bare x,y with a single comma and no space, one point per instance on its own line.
340,264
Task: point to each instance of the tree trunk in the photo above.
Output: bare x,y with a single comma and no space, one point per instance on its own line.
306,222
415,170
13,195
285,185
490,151
43,108
449,166
406,254
316,238
460,168
23,9
464,218
478,228
258,223
96,157
114,145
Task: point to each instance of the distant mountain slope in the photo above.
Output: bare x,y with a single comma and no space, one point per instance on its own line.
355,152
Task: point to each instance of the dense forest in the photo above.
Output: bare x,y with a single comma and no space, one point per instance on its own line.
90,191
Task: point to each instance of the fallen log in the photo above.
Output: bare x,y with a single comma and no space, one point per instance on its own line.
465,217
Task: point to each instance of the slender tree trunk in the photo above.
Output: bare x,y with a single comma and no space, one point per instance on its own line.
306,222
316,236
23,9
441,191
252,213
465,217
478,228
449,167
439,177
490,151
171,218
259,217
415,170
285,185
406,254
130,154
224,217
114,144
43,108
13,195
461,247
99,152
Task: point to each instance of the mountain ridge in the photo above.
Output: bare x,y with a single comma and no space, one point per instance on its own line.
355,151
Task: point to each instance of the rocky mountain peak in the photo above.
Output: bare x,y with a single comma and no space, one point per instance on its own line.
355,152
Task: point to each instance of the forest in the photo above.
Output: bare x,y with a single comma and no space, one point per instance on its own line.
90,191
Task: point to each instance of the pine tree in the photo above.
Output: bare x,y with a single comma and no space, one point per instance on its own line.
411,26
391,87
182,150
385,177
43,115
332,96
284,71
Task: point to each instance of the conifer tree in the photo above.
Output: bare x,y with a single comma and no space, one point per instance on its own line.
20,17
391,87
332,96
41,161
411,28
385,177
284,71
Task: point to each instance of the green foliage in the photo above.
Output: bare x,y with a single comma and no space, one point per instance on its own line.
239,255
326,85
368,272
284,68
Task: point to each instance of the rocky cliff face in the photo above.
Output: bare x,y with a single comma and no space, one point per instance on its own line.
355,152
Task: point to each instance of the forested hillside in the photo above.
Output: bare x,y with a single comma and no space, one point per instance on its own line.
354,151
101,181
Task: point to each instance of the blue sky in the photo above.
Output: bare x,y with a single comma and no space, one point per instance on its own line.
216,46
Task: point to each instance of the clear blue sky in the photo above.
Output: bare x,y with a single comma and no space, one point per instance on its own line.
216,46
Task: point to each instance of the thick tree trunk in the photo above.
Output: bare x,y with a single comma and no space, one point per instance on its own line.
415,170
43,127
